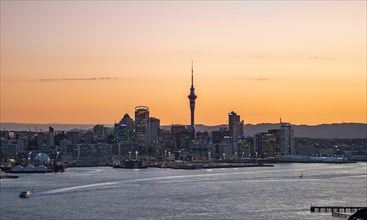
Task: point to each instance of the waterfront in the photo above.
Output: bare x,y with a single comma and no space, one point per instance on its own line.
233,193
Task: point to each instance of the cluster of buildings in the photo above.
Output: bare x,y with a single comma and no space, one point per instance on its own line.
275,142
142,137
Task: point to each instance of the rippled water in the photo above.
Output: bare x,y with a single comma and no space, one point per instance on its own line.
235,193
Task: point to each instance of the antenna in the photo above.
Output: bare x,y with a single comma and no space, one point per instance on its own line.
192,73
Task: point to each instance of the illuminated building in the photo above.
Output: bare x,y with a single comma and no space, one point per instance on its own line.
235,128
141,124
124,130
286,133
275,142
181,137
153,130
267,144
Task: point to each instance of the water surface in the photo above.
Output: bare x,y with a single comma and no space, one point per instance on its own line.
232,193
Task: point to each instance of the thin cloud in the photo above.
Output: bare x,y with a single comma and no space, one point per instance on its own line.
316,58
78,79
256,79
260,79
284,57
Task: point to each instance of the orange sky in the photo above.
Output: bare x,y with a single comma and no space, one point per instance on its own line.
303,61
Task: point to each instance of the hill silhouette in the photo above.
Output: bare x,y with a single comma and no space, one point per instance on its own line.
340,130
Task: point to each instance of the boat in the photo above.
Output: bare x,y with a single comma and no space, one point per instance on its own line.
25,194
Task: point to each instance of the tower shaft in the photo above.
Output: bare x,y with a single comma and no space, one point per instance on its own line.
192,97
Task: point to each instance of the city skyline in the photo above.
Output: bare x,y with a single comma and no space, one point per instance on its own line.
302,61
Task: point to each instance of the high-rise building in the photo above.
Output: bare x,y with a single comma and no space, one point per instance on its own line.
41,139
129,122
275,142
235,125
50,137
192,97
176,134
286,133
235,128
141,123
166,137
120,133
153,130
267,144
124,130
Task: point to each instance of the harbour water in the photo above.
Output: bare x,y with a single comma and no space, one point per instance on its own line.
232,193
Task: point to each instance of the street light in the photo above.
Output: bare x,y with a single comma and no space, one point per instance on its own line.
29,155
165,154
224,157
209,156
179,155
129,154
169,159
136,155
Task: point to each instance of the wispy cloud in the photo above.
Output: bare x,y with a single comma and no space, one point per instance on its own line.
77,79
316,58
287,57
256,79
260,79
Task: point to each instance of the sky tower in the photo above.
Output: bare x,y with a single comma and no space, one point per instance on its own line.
192,97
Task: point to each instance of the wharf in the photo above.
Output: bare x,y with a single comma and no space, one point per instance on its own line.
8,177
315,161
194,166
341,215
337,209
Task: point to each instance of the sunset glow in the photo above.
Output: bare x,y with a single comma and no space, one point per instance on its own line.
91,61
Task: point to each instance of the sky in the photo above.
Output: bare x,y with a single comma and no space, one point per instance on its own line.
93,61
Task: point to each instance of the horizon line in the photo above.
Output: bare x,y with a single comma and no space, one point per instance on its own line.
211,125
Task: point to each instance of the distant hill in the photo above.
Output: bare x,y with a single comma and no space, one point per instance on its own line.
342,130
44,127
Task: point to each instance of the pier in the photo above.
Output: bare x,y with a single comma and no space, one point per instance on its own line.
8,177
194,166
341,215
336,209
